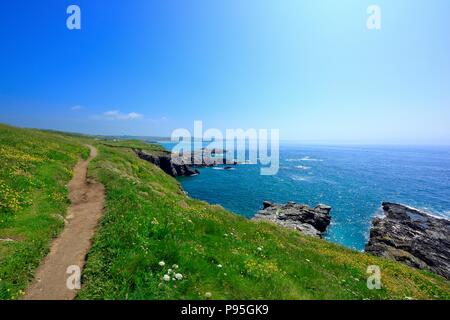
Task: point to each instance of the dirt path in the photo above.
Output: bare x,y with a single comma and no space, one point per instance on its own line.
68,251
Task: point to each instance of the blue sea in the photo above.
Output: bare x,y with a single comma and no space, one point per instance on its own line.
354,180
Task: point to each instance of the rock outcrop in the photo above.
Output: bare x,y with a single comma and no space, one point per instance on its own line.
307,220
205,157
185,164
165,162
413,237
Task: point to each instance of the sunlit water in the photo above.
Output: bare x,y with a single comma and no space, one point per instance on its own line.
353,180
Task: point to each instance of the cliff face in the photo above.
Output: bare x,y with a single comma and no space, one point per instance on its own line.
164,161
412,237
309,221
185,165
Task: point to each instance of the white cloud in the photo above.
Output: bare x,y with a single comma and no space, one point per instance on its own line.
117,115
76,108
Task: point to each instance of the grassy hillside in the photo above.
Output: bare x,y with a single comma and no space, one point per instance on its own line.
149,219
35,168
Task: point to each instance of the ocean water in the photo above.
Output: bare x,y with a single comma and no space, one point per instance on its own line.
354,180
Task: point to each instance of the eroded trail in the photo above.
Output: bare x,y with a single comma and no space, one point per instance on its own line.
68,251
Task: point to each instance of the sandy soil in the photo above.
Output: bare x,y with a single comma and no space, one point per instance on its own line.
68,251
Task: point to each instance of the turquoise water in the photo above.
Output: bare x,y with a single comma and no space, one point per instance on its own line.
353,180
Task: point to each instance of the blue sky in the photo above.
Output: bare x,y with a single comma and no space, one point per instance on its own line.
309,68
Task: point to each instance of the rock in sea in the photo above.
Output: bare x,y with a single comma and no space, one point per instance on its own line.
301,217
412,237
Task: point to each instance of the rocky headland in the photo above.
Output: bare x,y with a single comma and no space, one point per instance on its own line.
301,217
186,164
164,161
412,237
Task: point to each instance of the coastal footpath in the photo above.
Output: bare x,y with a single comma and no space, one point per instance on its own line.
155,242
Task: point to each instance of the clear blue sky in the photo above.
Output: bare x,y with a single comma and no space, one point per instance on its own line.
310,68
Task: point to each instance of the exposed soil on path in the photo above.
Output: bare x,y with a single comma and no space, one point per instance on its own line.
69,250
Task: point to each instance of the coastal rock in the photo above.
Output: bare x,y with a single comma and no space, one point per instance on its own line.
165,162
185,164
205,157
307,220
413,237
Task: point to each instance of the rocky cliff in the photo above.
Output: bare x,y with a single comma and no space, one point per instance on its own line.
185,165
413,237
307,220
164,161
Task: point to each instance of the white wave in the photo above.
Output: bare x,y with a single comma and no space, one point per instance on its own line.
303,167
299,178
307,158
220,168
436,214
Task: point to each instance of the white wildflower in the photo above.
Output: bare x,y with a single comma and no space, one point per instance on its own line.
208,295
169,271
259,249
219,266
162,263
166,277
178,276
175,266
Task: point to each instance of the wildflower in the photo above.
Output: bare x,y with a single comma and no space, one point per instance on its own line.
166,277
308,260
219,266
175,266
169,271
178,276
259,249
162,263
208,295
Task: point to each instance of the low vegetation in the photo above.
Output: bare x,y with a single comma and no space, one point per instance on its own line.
35,168
151,226
154,242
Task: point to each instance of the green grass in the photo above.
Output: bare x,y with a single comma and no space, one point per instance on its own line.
35,168
149,219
